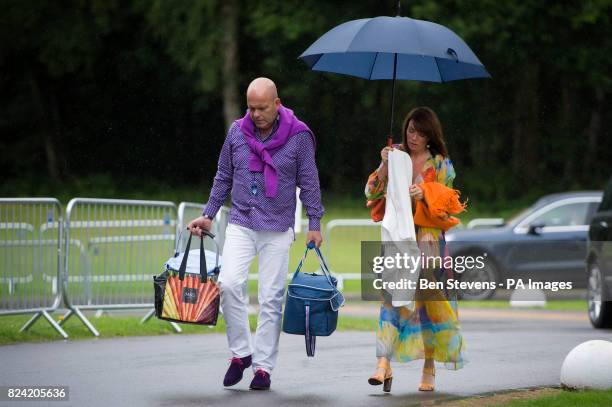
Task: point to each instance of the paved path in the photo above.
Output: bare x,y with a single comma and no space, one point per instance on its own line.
506,350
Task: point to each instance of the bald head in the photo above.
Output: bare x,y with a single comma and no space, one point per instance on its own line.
263,103
263,87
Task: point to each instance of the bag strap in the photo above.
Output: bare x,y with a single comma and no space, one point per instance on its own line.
299,267
203,265
311,340
311,245
203,269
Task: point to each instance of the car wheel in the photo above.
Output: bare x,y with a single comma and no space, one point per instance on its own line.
600,310
489,274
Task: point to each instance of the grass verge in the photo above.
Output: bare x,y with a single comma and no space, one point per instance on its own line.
538,397
117,325
111,326
553,305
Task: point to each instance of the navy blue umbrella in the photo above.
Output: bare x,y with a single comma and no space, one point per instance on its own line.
394,48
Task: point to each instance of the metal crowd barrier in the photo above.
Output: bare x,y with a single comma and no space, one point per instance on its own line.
346,264
104,254
187,211
30,253
113,248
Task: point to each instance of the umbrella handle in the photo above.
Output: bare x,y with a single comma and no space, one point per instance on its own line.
390,141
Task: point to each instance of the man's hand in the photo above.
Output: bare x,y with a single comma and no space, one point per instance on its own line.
314,236
198,224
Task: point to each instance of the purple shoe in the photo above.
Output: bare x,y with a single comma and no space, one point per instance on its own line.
261,381
234,373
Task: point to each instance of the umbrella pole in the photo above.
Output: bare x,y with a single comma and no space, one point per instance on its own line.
390,137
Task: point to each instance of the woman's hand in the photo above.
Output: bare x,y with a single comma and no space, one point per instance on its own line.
416,192
384,154
382,170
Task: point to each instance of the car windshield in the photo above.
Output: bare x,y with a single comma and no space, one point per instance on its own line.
518,215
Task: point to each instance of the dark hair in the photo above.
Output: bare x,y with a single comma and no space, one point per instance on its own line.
426,122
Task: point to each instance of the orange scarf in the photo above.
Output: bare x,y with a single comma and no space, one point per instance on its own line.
438,204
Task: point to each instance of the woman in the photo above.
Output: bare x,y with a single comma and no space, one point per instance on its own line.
430,332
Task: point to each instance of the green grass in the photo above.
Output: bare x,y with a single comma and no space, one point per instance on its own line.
586,398
568,305
352,290
565,305
561,305
116,325
111,326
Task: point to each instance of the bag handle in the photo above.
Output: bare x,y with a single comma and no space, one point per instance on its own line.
207,233
311,245
326,270
180,237
203,268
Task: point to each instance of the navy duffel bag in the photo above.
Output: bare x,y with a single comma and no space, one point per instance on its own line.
312,304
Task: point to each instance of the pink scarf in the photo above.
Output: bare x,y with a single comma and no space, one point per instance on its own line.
260,159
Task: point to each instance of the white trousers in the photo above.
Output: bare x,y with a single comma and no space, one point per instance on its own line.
241,247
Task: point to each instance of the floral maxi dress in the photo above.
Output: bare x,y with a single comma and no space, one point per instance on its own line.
432,331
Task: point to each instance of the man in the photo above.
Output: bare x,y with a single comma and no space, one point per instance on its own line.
266,154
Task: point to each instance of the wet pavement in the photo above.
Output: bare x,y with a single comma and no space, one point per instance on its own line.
507,349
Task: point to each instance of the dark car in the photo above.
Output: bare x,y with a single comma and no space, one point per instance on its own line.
599,263
545,242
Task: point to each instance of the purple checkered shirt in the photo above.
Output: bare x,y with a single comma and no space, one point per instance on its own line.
296,166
